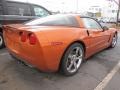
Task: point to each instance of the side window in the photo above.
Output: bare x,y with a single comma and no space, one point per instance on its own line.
18,9
40,12
91,24
1,10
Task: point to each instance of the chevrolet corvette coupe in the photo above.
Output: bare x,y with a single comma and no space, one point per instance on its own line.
58,42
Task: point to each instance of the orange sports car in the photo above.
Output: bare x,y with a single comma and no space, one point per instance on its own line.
58,42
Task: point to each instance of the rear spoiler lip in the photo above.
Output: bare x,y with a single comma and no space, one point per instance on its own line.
8,27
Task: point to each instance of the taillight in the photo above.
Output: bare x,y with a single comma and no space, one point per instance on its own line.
23,36
32,39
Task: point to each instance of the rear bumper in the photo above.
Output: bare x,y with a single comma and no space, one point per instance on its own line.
13,55
41,64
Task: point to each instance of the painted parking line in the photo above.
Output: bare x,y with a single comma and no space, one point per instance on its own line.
109,76
2,54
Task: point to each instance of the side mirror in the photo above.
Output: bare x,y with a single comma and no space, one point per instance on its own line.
105,28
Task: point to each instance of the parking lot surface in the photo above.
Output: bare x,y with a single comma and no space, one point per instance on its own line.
114,84
17,76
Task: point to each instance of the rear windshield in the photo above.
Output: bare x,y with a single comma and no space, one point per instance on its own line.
55,20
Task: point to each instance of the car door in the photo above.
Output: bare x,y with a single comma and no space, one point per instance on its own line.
97,36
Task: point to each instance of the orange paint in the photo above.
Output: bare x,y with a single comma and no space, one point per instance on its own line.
51,43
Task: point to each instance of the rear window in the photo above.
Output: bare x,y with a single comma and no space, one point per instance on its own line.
55,20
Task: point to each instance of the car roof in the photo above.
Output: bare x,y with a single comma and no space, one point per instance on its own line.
79,15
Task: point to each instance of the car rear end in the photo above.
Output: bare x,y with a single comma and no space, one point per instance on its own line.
24,45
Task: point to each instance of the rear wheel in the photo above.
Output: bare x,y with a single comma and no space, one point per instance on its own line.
72,59
114,41
1,41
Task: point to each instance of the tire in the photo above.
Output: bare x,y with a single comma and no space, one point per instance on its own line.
72,59
1,41
114,41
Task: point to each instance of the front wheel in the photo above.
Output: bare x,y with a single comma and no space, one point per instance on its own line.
1,41
114,41
72,59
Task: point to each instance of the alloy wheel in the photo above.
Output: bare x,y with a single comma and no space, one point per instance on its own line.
114,40
74,59
1,41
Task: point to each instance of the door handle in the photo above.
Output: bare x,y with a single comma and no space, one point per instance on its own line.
88,33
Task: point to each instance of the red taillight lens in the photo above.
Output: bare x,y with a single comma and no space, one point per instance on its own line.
23,36
32,39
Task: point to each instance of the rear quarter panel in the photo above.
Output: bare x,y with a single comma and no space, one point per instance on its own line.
55,41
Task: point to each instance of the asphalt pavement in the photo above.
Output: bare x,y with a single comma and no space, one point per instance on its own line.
17,76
